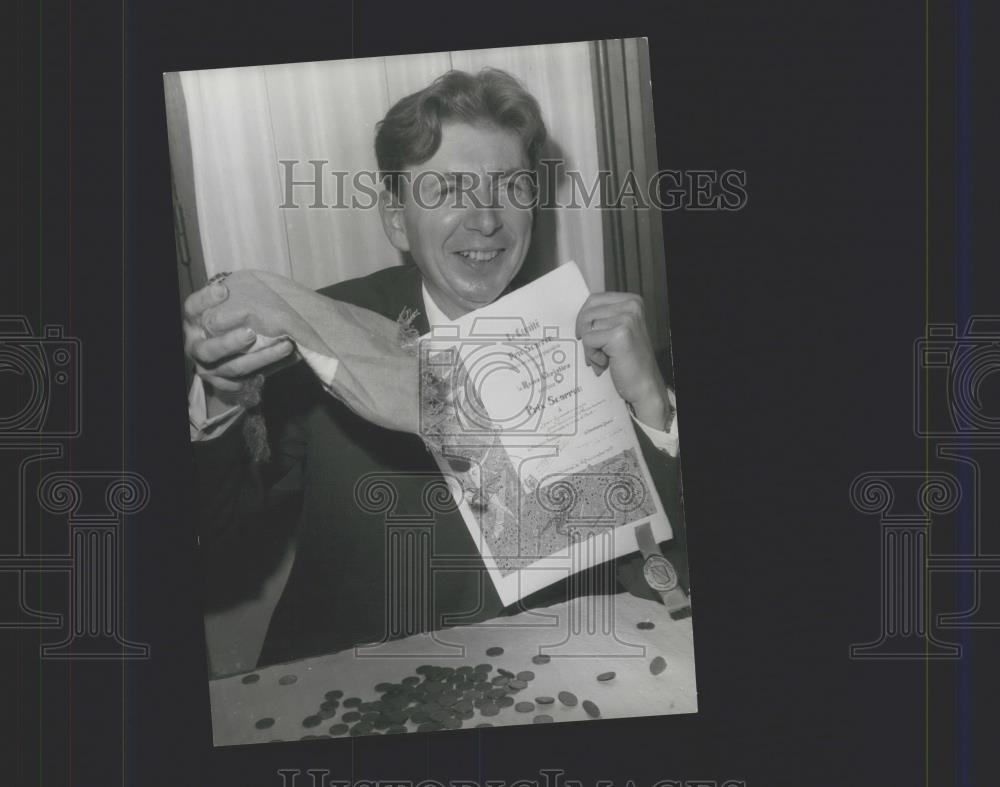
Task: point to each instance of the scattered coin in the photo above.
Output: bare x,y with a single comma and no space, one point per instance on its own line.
518,684
429,726
645,625
263,724
484,724
526,675
483,668
327,713
309,737
411,680
657,665
505,672
352,702
336,694
542,718
494,651
351,716
544,700
329,704
338,729
505,702
489,709
287,680
311,721
253,677
396,729
541,659
567,698
606,676
524,707
592,710
383,687
361,729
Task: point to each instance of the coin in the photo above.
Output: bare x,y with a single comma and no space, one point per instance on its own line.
327,713
606,676
336,694
494,651
311,721
396,729
352,702
567,698
338,729
526,675
500,680
263,724
383,687
505,702
287,680
489,709
524,707
505,672
592,710
541,659
361,729
351,715
657,665
645,625
251,678
411,680
429,726
462,706
517,684
544,700
484,724
542,718
483,668
329,704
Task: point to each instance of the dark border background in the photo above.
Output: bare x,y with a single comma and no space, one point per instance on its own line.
793,324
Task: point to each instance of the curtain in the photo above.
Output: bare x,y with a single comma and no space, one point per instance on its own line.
243,122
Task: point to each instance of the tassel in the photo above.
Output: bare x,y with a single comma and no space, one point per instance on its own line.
254,426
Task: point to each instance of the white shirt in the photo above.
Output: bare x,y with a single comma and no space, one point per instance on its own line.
204,428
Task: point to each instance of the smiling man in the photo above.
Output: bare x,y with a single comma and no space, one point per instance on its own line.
456,160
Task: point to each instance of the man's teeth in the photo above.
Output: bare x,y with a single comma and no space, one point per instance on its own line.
480,256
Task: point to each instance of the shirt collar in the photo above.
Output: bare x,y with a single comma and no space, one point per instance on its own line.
434,314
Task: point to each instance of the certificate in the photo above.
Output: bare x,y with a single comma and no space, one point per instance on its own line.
540,453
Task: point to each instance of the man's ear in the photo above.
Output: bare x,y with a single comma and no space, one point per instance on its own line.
390,209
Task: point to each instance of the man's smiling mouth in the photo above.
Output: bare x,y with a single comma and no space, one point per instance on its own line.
477,255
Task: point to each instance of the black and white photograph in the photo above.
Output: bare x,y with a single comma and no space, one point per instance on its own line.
432,411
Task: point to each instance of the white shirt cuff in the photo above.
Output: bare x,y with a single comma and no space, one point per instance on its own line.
203,427
664,441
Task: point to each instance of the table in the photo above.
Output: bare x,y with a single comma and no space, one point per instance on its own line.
584,637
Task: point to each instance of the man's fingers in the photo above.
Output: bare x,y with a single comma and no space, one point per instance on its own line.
624,304
203,299
221,383
213,350
251,363
218,319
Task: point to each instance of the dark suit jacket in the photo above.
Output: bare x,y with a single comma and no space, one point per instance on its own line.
343,575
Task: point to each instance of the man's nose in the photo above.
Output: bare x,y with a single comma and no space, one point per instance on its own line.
485,218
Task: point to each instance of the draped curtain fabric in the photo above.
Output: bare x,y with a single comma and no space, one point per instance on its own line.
633,235
242,123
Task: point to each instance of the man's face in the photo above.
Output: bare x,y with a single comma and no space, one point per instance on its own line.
468,237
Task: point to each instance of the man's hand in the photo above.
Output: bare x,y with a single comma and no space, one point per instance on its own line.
217,342
612,327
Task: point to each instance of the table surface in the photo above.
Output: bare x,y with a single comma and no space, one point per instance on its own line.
584,637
